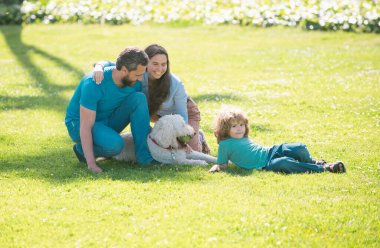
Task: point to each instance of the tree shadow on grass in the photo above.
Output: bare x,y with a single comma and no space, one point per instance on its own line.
23,53
31,102
59,166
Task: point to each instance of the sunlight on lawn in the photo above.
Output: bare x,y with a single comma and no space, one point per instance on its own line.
319,88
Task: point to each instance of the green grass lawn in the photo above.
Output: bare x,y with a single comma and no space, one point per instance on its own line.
322,89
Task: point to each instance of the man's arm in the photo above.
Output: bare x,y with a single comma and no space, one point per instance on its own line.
87,120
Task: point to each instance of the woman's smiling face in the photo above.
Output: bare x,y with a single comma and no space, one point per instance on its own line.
157,66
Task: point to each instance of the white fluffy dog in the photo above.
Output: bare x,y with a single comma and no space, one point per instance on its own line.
167,143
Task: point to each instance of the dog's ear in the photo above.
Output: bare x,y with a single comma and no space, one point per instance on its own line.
163,132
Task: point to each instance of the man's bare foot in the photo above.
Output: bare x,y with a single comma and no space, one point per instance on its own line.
98,159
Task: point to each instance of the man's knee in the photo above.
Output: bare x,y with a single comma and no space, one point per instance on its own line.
279,164
302,149
136,101
138,98
295,148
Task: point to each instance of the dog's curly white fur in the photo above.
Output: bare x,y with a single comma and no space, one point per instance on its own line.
164,145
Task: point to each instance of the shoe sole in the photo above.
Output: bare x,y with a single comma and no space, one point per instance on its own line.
341,166
79,156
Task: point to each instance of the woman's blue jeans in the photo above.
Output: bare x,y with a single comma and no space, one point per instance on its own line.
105,133
291,158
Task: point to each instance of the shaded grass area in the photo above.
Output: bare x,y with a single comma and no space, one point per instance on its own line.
318,88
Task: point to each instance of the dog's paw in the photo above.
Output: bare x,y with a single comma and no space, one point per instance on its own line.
202,163
194,162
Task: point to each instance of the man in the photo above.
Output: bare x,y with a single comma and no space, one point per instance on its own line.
97,114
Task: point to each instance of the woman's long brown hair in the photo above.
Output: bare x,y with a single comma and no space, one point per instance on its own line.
158,89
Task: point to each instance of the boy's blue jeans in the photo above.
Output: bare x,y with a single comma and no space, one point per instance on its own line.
105,133
291,158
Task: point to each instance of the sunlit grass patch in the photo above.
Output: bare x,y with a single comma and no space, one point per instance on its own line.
318,88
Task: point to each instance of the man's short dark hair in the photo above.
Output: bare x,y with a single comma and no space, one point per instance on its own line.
131,57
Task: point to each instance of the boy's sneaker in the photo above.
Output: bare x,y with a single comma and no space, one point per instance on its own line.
337,167
80,157
320,162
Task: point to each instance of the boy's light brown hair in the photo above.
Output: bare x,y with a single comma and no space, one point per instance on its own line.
225,119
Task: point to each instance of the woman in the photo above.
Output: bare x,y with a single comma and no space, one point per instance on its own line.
165,92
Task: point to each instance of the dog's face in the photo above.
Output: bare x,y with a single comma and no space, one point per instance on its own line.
172,131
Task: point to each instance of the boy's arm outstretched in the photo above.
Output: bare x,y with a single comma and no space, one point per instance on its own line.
217,168
222,160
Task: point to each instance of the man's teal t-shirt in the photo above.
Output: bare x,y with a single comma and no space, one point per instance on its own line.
243,152
104,98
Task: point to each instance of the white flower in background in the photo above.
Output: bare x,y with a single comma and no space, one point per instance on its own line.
333,14
28,7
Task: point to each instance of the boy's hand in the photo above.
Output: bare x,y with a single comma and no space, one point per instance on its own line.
98,74
215,168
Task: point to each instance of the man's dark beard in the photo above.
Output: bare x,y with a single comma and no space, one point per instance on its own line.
125,81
